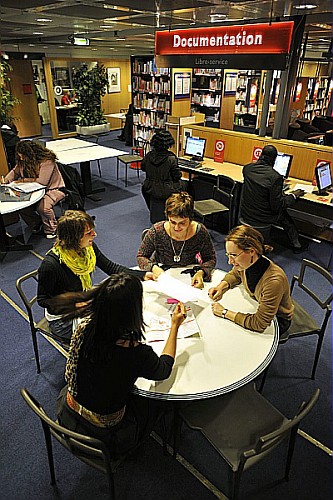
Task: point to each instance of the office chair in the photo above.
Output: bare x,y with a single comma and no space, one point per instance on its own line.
223,201
244,427
89,450
27,285
303,324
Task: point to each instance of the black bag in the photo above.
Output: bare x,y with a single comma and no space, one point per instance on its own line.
73,187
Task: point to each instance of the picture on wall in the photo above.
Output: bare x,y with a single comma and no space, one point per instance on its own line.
113,80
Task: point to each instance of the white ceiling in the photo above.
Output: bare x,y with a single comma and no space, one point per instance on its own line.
119,28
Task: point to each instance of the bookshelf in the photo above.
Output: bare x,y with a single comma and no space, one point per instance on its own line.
151,96
206,94
318,95
247,100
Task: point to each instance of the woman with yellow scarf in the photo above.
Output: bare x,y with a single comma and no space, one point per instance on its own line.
68,266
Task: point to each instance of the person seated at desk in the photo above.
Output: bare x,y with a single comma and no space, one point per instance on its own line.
263,280
65,98
106,356
35,163
263,202
178,241
68,266
163,175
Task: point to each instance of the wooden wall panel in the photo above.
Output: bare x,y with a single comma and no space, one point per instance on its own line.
239,148
22,86
112,103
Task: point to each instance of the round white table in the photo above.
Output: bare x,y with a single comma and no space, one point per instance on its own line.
7,207
223,358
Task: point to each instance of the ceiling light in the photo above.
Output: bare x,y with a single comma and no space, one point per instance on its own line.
5,56
25,56
44,20
120,39
38,33
31,44
306,6
105,26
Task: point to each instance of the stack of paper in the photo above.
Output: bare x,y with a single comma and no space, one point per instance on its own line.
158,327
26,187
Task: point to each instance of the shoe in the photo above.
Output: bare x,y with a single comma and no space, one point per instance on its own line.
38,229
50,236
301,249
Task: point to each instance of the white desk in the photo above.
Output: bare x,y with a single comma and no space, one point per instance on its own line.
7,207
71,151
226,356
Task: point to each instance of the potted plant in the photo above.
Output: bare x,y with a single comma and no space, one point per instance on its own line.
89,86
7,100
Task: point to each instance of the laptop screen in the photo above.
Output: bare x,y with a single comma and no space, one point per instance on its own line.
282,164
195,147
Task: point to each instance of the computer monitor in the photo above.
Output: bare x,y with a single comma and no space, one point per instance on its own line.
323,178
195,147
282,164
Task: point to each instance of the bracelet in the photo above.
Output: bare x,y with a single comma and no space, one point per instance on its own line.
224,312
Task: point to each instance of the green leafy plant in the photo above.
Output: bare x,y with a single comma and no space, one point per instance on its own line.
7,100
89,87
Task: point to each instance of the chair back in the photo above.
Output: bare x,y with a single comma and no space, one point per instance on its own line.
226,193
270,440
90,450
141,146
28,302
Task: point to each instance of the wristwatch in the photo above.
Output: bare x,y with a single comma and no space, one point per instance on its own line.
223,313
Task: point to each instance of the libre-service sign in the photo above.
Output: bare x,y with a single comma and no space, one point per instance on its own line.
226,46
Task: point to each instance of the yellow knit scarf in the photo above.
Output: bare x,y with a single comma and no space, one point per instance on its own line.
81,265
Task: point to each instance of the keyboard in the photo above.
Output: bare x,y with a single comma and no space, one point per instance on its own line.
183,162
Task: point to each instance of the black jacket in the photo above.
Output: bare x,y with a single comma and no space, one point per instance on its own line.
55,277
162,174
262,199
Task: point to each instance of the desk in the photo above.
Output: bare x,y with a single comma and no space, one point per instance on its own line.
7,207
226,356
71,151
313,214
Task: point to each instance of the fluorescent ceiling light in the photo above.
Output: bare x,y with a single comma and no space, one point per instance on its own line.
44,20
306,6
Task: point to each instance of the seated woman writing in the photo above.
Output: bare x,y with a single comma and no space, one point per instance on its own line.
178,242
263,280
35,163
106,357
68,266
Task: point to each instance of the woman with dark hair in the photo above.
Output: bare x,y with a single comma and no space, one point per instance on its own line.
68,266
178,241
106,357
263,280
35,163
162,174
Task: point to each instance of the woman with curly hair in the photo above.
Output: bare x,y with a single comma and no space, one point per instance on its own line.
162,174
35,163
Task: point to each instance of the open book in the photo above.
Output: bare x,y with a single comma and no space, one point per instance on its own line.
25,187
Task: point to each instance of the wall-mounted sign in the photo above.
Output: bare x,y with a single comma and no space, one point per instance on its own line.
219,151
256,153
226,46
182,85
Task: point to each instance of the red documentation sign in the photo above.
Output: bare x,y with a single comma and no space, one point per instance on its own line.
219,151
256,153
322,162
265,38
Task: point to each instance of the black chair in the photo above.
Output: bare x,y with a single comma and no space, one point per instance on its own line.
244,427
90,450
26,287
222,201
303,324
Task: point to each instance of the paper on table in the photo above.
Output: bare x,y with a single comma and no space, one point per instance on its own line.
308,188
158,327
176,289
26,187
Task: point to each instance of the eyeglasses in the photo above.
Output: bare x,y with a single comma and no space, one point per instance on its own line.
233,255
90,232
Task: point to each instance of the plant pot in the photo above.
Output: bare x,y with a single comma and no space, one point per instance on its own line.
93,129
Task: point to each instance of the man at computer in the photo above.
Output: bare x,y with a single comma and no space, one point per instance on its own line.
263,202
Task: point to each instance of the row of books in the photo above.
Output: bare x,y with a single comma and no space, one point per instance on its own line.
206,99
150,119
149,67
153,85
154,103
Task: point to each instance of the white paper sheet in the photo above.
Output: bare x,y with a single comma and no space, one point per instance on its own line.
308,188
177,290
158,327
26,187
